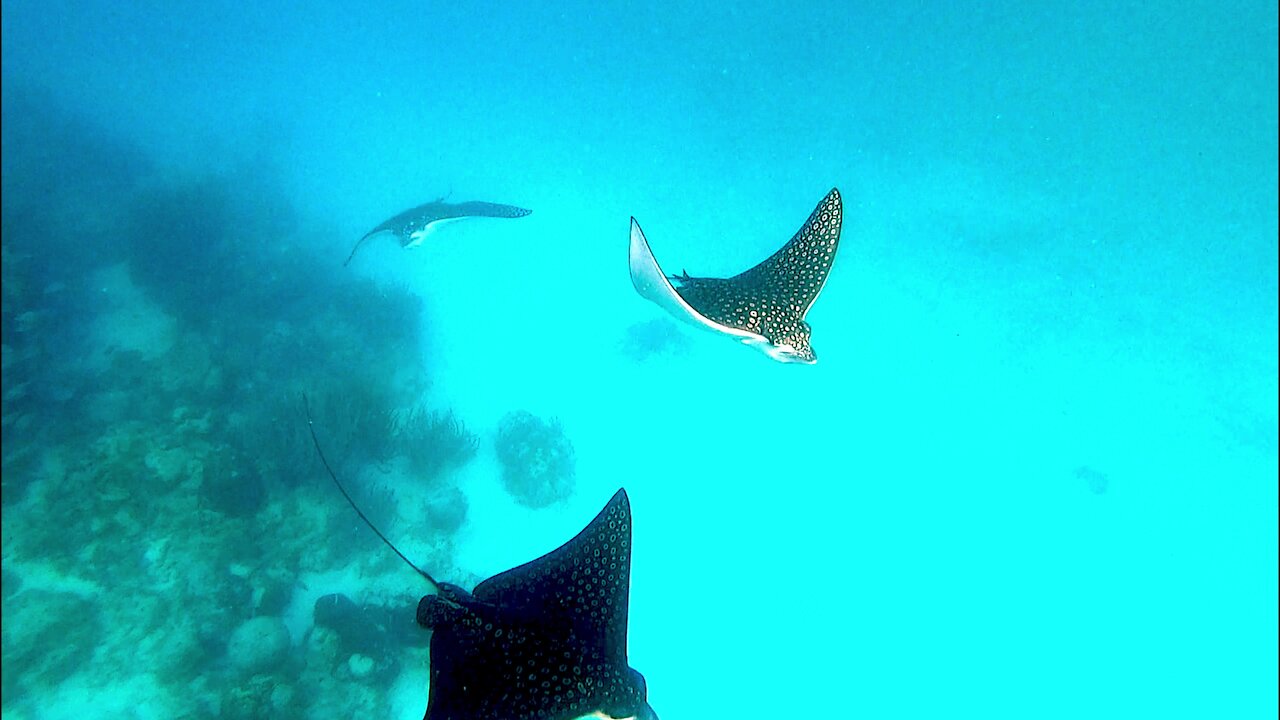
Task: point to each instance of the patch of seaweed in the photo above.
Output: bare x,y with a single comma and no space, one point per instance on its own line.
434,442
356,425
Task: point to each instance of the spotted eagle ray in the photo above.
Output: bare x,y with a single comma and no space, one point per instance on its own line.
764,307
414,225
546,640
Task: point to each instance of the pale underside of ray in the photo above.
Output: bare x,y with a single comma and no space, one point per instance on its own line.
413,239
417,237
652,284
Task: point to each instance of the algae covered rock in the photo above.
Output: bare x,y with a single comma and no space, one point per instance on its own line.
259,645
537,459
447,508
232,484
372,636
322,649
360,666
260,696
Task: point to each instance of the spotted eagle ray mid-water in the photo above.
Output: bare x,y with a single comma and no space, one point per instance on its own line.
764,307
412,226
546,640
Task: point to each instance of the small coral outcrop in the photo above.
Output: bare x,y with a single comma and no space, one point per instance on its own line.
260,644
537,459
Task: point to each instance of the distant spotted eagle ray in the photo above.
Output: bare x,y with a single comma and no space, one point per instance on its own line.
764,307
413,226
546,640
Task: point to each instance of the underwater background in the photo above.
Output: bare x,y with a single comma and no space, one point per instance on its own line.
1033,474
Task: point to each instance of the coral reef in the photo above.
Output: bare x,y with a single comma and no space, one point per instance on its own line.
162,501
46,637
232,484
40,318
537,459
260,696
358,425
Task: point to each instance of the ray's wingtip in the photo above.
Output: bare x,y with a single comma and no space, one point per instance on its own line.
637,235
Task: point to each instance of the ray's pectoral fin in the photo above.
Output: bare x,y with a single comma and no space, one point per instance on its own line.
795,274
653,285
414,236
545,640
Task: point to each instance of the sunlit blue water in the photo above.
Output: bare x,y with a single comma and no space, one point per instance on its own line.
1033,473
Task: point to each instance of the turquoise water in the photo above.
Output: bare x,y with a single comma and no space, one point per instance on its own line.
1033,473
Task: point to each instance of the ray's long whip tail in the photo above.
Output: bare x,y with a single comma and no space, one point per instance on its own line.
311,426
357,247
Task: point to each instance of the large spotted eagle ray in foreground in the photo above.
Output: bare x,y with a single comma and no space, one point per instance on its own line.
413,226
764,307
546,640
